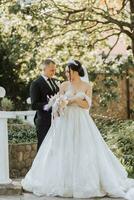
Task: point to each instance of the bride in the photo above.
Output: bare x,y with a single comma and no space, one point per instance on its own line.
73,160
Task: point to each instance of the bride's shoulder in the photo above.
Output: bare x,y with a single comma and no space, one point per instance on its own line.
64,85
88,85
88,88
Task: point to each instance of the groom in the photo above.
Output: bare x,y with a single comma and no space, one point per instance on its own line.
42,88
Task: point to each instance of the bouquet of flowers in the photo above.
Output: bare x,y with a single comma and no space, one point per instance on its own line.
58,103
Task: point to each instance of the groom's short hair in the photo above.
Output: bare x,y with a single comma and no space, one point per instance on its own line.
47,62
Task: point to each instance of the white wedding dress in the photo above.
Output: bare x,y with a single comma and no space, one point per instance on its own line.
74,161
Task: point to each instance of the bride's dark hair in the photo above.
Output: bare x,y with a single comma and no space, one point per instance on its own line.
75,65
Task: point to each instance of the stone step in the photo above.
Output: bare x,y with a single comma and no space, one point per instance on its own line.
13,188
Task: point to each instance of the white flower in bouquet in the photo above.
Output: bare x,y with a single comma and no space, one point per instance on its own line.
51,101
63,103
59,105
58,83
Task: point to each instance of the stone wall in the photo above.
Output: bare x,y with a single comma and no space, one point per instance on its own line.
20,158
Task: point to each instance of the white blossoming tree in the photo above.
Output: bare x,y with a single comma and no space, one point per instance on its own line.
32,30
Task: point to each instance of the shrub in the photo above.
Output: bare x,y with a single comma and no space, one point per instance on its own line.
6,104
119,135
21,133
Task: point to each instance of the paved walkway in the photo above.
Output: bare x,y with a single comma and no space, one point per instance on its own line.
32,197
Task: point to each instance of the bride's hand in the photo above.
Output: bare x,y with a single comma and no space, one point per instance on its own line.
79,102
72,101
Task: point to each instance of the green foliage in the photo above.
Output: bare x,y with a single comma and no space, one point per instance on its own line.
29,34
112,70
16,55
6,104
10,71
119,135
21,133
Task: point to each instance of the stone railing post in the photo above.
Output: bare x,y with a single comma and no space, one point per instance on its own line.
30,118
4,155
4,160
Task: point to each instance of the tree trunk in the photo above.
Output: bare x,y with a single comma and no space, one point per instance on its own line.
132,22
128,93
133,46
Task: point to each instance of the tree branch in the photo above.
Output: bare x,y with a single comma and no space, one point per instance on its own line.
124,3
104,38
118,37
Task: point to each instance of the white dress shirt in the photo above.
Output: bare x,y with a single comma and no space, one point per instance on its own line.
46,79
45,108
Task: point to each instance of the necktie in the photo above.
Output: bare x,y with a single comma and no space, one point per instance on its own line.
52,84
56,87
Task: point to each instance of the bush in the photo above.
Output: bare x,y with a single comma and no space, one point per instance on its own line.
6,104
21,133
119,135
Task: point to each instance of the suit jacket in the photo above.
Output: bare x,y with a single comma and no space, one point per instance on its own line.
39,92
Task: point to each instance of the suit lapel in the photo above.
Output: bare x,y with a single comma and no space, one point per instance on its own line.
45,83
56,86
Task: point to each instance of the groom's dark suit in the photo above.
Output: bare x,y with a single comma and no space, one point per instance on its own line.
39,92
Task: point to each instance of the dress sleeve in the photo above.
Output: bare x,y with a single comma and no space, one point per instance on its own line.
88,95
89,100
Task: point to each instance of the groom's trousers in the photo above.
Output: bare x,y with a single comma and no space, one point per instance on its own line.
42,127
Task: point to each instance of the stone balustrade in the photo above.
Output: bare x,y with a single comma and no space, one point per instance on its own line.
4,156
4,153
